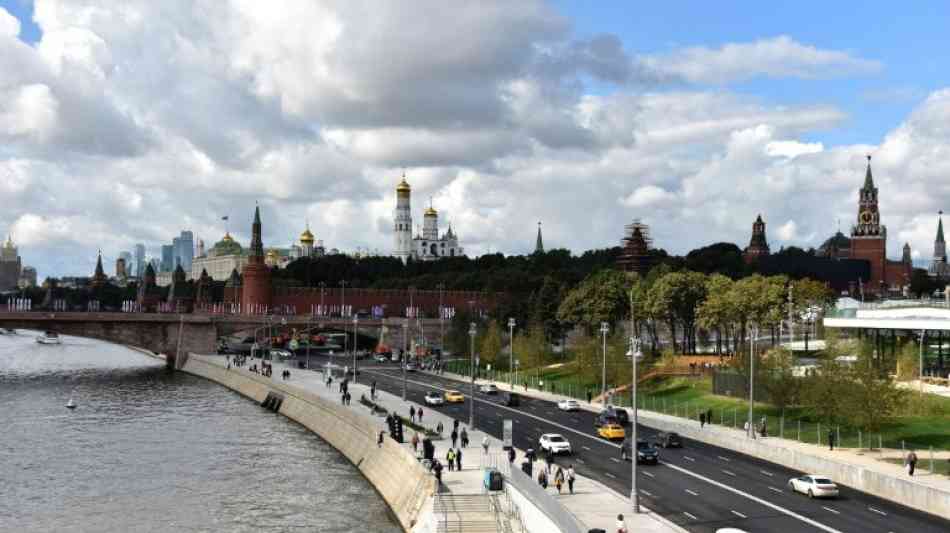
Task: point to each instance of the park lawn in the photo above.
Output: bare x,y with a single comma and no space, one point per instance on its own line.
685,397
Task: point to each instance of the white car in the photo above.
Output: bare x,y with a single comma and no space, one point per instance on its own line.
488,388
434,398
554,443
814,486
568,405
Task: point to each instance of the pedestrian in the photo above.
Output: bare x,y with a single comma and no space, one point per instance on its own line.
526,385
621,524
343,398
419,415
458,459
349,398
439,427
464,438
589,396
511,455
455,425
559,479
831,440
415,441
412,414
485,444
450,459
455,437
543,478
548,461
379,440
702,420
437,467
709,417
571,476
372,391
911,463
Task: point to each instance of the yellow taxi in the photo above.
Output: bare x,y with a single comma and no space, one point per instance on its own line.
454,396
611,431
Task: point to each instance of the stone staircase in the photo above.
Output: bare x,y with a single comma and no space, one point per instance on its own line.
470,513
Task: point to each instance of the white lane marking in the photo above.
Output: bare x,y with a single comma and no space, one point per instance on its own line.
581,461
770,505
691,492
610,475
726,459
830,509
728,473
773,489
878,511
499,415
737,513
648,493
614,459
586,448
688,458
647,474
539,430
766,473
689,515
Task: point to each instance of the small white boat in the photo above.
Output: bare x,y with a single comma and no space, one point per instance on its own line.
70,404
50,337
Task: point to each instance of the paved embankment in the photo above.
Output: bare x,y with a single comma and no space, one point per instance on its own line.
397,475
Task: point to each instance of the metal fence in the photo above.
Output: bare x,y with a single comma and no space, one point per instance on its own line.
545,502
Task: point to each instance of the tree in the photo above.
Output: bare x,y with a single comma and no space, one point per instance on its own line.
716,312
780,381
873,396
530,348
601,297
676,296
544,308
826,392
490,344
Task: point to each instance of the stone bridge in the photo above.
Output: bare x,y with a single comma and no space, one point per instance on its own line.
173,334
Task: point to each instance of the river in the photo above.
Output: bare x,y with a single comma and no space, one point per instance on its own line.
149,450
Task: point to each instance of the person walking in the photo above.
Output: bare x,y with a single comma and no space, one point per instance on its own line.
621,526
412,414
571,477
464,438
455,425
379,440
589,395
559,479
372,391
911,463
831,440
511,455
439,427
485,444
437,468
709,417
548,461
543,479
458,459
702,420
455,437
419,415
450,459
415,441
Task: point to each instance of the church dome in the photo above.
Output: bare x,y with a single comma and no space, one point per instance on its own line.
306,237
272,254
430,212
403,186
227,246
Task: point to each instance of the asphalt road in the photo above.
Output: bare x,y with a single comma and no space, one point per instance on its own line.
700,487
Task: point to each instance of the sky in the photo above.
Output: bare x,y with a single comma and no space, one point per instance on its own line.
126,122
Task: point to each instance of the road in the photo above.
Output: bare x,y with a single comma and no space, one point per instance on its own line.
699,487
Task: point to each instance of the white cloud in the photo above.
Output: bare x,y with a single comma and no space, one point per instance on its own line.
648,195
777,57
788,231
792,148
9,25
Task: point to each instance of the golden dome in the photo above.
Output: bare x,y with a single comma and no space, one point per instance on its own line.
403,186
272,253
227,237
306,237
430,212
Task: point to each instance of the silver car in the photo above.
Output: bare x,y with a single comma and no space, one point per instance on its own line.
814,486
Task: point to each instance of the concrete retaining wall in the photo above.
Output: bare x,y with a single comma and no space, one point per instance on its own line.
400,479
903,491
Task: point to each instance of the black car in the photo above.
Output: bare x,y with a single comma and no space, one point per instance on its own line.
646,452
604,418
510,399
669,439
620,414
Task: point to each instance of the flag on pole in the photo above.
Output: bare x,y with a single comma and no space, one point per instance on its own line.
225,217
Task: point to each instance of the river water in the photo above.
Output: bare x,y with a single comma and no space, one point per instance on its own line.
149,450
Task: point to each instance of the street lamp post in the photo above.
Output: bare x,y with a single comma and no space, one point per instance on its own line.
754,331
920,370
511,352
604,329
635,355
441,287
405,352
471,410
309,337
356,321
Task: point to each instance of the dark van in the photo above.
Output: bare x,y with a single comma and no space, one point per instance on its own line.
511,399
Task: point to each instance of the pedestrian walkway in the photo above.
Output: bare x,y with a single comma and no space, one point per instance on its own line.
595,505
887,462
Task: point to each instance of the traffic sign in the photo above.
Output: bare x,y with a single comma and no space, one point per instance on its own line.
506,432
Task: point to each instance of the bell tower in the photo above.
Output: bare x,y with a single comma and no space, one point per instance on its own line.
402,222
868,236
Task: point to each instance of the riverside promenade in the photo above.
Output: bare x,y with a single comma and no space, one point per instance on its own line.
592,504
861,469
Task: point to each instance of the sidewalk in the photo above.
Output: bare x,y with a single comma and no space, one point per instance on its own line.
870,460
593,504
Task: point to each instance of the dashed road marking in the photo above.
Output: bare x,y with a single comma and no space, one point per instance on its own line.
586,448
830,509
648,493
690,515
878,511
691,492
614,459
728,473
581,461
726,459
773,489
688,458
647,474
737,513
610,475
766,473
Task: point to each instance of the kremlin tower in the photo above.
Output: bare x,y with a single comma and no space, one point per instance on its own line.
402,219
256,291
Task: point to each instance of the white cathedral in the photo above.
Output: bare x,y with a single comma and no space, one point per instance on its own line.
427,246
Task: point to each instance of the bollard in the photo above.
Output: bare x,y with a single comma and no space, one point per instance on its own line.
837,436
799,438
781,427
735,418
819,433
859,440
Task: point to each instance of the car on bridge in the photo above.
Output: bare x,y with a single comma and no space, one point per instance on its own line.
281,354
381,358
454,396
815,486
488,388
619,413
646,452
568,405
611,431
434,398
668,439
554,443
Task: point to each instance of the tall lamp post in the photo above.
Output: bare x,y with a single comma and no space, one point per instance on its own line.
441,287
471,408
511,352
356,321
309,337
754,332
405,352
604,329
635,354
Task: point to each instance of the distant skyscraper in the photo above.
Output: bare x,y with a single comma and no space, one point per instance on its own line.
126,256
176,247
168,258
139,260
9,265
186,252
